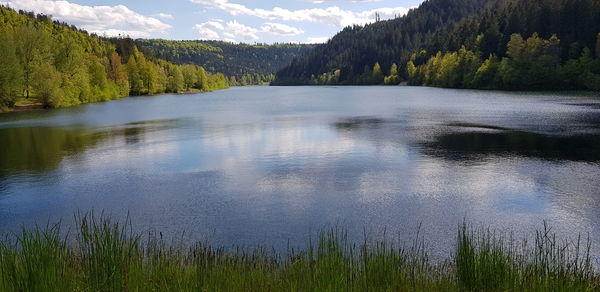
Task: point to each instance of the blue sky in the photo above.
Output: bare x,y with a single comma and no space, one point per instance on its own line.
269,21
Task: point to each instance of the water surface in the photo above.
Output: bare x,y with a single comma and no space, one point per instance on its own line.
264,165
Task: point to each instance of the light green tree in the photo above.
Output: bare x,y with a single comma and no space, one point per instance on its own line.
378,77
515,46
99,85
190,76
32,47
393,78
11,72
133,72
175,82
46,82
202,82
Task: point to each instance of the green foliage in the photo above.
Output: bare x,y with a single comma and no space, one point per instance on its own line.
486,74
175,81
530,64
61,66
148,77
231,59
414,75
598,45
252,79
487,261
47,81
32,47
108,256
482,27
370,76
377,74
394,77
11,72
330,78
135,79
37,261
107,253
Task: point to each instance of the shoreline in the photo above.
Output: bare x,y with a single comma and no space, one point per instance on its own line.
29,107
38,106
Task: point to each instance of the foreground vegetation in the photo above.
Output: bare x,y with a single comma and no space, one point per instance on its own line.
59,65
106,256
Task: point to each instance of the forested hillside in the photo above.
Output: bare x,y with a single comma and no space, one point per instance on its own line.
56,65
447,42
248,64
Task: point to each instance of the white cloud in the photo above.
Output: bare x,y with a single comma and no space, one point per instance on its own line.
215,30
281,29
240,30
233,30
334,15
163,15
208,30
108,20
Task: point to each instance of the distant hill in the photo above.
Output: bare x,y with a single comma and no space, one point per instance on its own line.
483,28
224,57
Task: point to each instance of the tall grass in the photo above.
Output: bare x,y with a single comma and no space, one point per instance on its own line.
104,255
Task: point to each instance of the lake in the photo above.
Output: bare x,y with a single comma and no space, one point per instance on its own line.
269,165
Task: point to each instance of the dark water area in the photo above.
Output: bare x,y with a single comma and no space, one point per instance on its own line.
269,165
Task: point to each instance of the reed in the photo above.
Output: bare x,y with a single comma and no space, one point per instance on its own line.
104,255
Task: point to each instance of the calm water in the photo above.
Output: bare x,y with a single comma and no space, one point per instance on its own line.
264,165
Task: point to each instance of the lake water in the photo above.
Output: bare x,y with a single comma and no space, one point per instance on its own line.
269,165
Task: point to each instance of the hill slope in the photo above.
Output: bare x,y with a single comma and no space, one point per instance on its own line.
483,27
58,65
230,59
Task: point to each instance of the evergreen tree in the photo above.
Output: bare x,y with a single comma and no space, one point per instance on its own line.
598,45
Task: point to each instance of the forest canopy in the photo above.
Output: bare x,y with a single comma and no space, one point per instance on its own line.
445,40
60,65
245,63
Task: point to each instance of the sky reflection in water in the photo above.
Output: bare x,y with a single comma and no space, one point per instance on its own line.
262,165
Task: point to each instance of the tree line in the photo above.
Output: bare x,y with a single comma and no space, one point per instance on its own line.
532,63
234,60
528,64
252,79
60,65
202,52
482,27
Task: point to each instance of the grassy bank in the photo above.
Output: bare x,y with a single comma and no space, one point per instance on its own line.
33,103
101,255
